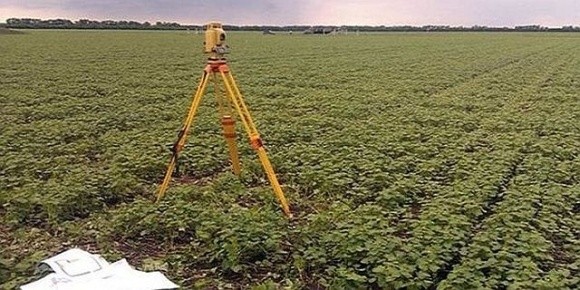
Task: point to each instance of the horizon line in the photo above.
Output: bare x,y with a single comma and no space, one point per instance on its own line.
309,24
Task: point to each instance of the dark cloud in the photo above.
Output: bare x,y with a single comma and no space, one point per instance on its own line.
227,11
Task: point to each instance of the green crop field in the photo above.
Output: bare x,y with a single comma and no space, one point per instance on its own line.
417,160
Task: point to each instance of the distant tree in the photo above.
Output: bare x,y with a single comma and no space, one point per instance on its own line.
160,25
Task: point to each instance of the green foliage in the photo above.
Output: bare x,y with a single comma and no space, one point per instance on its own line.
411,160
4,271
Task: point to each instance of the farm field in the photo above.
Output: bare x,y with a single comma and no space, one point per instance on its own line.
418,160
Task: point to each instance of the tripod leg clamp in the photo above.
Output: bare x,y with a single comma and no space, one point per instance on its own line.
256,142
228,125
175,150
175,146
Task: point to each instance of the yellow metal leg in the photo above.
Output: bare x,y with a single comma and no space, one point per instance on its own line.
228,125
273,180
182,137
236,99
222,108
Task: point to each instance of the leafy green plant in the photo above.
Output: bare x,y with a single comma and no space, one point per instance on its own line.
444,161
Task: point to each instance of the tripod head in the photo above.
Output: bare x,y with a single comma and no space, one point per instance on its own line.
215,40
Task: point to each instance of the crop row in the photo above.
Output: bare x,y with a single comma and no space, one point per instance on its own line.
532,239
65,132
420,165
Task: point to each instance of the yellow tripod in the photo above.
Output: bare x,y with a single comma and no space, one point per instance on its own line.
217,69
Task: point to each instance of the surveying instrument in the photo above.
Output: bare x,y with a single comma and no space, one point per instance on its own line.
229,99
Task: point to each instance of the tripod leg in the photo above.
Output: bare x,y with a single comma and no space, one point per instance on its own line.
240,106
182,136
228,125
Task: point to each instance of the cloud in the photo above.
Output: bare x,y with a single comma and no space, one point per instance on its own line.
187,12
247,12
452,12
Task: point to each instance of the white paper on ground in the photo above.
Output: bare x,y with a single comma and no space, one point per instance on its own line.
49,282
75,263
78,270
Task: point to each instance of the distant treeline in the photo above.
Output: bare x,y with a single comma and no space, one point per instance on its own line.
24,23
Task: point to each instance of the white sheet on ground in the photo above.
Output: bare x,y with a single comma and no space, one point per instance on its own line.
76,269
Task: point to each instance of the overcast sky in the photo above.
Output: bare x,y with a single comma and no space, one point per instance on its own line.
331,12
